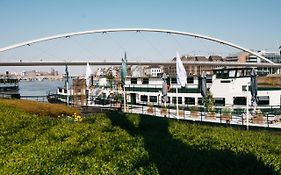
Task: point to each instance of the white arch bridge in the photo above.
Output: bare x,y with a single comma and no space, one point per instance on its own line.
68,35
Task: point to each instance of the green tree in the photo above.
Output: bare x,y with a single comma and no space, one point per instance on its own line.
109,76
209,101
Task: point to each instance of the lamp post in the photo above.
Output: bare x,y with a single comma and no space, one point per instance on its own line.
158,99
247,106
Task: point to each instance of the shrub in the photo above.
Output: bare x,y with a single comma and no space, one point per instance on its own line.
193,108
39,108
117,143
226,111
226,114
209,101
194,111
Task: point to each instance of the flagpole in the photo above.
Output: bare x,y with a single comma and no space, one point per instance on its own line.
181,78
247,108
67,85
123,77
68,93
124,95
177,102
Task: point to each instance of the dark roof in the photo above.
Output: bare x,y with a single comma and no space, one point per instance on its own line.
231,58
154,66
193,58
186,58
201,58
215,58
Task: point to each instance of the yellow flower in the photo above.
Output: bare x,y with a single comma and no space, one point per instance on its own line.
78,118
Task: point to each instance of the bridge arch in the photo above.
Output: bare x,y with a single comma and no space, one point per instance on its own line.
27,43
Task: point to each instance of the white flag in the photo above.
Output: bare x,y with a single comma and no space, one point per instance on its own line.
181,73
88,75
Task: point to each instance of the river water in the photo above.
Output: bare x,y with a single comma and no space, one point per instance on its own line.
39,88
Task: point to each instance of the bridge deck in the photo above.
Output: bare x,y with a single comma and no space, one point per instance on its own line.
116,63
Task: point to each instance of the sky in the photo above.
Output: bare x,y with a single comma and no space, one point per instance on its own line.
253,24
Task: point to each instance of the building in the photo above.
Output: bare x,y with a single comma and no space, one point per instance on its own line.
138,70
193,69
246,57
215,58
272,56
153,71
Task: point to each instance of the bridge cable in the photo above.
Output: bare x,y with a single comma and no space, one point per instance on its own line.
208,51
117,46
150,43
46,52
180,46
84,49
116,42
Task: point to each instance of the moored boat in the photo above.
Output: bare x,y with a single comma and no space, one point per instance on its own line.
229,87
9,86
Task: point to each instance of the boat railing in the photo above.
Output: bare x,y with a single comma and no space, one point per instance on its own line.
39,98
233,117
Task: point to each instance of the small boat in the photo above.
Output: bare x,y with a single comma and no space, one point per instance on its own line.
55,98
9,86
86,91
74,94
62,95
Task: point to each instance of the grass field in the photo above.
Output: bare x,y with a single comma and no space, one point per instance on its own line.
117,143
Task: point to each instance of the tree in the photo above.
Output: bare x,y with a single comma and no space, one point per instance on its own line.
110,78
209,101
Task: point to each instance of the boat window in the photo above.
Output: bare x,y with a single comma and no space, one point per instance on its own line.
263,100
200,101
60,90
239,100
152,98
239,73
248,72
190,80
180,100
224,74
220,101
209,79
217,73
144,98
232,73
134,81
245,72
175,100
225,81
189,100
65,91
244,88
145,81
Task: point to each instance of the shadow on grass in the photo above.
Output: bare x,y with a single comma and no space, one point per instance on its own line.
172,156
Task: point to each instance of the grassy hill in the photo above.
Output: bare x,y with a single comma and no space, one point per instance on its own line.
116,143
